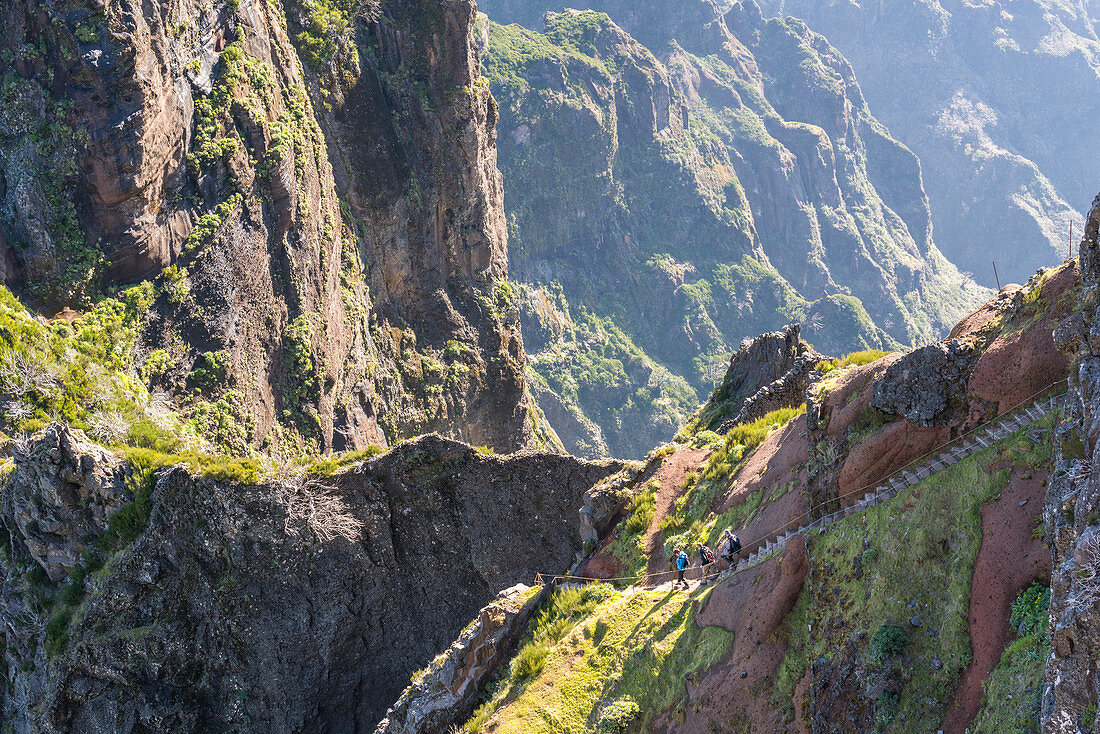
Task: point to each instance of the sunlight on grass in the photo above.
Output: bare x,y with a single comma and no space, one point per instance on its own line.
635,647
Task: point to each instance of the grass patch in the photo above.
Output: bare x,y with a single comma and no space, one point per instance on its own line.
627,661
692,522
855,359
628,546
925,542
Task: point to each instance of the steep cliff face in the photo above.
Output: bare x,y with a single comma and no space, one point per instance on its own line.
325,238
722,179
979,91
1072,515
299,605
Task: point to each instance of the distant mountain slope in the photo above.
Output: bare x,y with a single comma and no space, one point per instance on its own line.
723,181
998,99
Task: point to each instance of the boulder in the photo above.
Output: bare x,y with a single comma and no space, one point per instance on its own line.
921,385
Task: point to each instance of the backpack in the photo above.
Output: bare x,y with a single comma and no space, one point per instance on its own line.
707,555
735,544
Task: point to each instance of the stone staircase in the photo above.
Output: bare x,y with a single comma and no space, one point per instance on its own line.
906,477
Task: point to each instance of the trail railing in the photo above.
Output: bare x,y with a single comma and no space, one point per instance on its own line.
1021,415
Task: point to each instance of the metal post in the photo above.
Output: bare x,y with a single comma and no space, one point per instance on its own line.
996,276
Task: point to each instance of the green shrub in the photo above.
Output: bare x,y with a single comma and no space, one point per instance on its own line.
888,640
174,284
529,662
643,506
869,555
1029,610
704,439
618,717
886,708
211,373
57,631
130,520
156,367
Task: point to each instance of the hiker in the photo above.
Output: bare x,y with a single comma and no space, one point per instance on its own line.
706,557
732,546
682,562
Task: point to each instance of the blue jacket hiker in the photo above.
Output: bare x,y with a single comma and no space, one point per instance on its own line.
682,562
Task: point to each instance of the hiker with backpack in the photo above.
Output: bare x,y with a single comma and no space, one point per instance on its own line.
706,557
682,562
732,546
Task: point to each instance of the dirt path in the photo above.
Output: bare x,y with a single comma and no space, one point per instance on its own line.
671,485
1009,559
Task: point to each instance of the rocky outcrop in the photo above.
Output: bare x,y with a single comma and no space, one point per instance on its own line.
769,372
956,83
788,391
747,138
445,694
350,292
1072,516
924,384
63,492
301,605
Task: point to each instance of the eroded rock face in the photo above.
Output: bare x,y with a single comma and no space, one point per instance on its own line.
1073,500
771,369
134,136
292,607
447,692
64,490
973,122
922,385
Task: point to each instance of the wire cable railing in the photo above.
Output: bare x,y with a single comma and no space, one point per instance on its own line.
796,525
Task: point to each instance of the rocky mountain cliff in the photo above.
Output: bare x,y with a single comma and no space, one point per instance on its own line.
1072,515
714,176
992,98
302,603
309,288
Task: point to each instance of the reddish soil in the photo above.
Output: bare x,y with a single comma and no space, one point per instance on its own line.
1018,365
779,460
1009,560
976,321
753,605
851,393
892,447
671,478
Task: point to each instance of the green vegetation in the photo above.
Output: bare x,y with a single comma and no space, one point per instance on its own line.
875,572
591,364
40,156
301,384
629,546
855,359
325,22
83,374
612,663
329,465
888,640
1014,690
693,522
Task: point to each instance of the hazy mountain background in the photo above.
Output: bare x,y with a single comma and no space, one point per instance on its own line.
672,192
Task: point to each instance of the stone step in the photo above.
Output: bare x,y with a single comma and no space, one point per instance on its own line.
923,472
